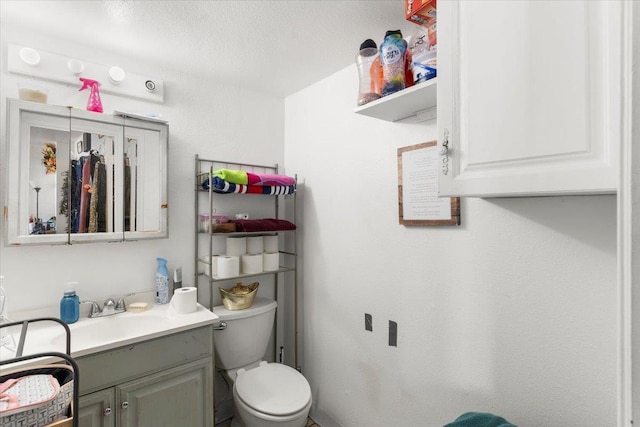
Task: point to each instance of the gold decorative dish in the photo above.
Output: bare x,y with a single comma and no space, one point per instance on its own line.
239,297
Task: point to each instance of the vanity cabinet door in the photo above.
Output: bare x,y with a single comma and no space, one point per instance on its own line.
528,97
180,396
97,410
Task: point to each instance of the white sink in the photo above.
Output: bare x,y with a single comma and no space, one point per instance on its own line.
101,330
103,333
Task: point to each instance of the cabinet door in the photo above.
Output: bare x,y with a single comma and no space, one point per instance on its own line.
528,97
145,180
177,397
96,409
94,175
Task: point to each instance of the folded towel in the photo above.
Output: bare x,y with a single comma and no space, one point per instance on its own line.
265,224
234,176
250,178
479,419
269,179
222,186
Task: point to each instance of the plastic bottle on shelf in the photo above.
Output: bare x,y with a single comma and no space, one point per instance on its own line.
424,59
368,62
162,282
393,52
70,305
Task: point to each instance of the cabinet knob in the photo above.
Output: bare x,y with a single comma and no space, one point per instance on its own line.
107,412
444,152
125,405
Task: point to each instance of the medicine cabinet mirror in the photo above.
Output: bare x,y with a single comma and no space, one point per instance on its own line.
75,176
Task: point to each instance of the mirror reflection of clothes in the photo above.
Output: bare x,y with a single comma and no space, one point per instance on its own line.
75,180
88,206
127,194
85,195
98,202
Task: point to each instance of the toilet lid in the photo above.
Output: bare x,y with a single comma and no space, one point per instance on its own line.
273,389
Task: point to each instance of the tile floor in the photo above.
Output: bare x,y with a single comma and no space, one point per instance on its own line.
310,423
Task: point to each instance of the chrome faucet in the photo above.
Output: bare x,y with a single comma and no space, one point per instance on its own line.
109,308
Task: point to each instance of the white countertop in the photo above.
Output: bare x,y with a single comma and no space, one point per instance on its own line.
104,333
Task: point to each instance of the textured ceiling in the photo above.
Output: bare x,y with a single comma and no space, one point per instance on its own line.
278,47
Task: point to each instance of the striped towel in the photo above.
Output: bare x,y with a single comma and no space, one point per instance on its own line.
222,186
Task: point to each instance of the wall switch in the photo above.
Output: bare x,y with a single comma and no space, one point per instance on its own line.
393,333
368,322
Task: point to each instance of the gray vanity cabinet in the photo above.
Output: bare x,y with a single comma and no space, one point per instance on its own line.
166,381
177,397
97,410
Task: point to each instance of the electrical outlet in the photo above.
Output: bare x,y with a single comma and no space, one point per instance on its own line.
393,333
368,322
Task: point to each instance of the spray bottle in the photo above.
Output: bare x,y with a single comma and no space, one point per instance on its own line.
94,103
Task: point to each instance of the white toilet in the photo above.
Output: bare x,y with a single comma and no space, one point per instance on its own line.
264,394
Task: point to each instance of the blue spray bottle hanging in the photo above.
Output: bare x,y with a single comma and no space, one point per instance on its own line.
162,282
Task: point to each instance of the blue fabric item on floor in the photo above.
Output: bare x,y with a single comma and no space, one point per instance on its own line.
479,419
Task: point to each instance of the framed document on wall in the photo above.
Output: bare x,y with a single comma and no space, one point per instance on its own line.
418,201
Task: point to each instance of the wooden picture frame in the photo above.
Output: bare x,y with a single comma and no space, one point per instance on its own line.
418,201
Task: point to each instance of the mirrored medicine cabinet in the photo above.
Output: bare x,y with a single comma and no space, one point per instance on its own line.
75,176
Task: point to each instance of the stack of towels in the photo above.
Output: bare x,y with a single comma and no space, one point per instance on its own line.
238,181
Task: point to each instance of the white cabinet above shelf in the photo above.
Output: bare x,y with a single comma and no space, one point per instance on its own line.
403,104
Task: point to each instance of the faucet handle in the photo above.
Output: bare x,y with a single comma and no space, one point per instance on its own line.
95,308
120,305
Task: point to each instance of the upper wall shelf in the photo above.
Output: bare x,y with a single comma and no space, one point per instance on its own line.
403,104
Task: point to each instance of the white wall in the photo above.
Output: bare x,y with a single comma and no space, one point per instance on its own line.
205,118
514,312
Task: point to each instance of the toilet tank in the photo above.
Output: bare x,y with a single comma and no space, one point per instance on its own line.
246,337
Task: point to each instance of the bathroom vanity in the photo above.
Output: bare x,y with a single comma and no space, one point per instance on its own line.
162,381
138,369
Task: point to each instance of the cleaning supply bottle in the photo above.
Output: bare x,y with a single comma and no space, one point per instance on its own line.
365,60
162,282
424,60
393,52
70,305
94,103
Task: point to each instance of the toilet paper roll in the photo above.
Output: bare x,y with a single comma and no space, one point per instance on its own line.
214,265
271,244
255,245
236,246
271,261
228,266
252,264
185,300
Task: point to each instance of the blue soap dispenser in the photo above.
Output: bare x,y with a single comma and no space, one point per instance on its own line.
70,306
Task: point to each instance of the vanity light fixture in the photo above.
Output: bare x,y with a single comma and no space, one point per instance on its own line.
30,56
75,66
116,75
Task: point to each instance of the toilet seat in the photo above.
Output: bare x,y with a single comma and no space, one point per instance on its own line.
273,389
